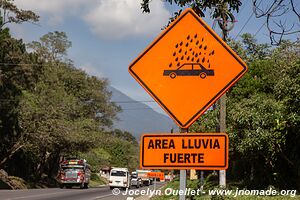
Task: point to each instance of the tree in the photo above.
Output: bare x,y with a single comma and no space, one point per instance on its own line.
116,148
16,75
124,135
18,72
282,16
52,46
263,116
65,110
217,6
262,123
276,13
221,10
9,13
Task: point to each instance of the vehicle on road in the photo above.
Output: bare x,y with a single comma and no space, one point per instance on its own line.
74,172
119,178
143,175
190,69
135,180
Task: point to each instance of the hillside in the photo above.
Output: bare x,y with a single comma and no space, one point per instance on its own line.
138,118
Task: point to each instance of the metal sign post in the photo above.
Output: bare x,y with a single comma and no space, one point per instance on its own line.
182,180
222,173
182,184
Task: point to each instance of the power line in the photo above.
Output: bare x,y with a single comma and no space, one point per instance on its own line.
139,108
145,108
22,64
244,26
246,22
260,29
150,101
133,101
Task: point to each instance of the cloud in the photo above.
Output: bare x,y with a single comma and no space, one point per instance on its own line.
55,10
108,19
116,19
50,6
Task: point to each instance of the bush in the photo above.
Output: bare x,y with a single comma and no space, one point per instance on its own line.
95,177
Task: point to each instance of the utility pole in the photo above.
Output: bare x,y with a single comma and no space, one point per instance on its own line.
225,27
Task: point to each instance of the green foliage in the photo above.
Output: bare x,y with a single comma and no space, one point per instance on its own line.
50,109
113,149
260,125
16,75
124,136
217,6
123,153
9,13
263,116
52,46
97,158
96,180
95,177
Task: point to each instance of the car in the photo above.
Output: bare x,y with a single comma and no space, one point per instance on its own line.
135,180
190,69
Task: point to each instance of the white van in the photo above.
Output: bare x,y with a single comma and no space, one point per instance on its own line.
119,178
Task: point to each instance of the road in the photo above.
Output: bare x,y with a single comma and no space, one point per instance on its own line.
103,193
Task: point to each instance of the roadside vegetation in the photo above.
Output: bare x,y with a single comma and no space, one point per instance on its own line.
211,183
262,123
97,181
263,117
49,109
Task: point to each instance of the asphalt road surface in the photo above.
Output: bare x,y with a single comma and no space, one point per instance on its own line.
102,193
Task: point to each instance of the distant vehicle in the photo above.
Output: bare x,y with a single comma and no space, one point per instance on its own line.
119,178
74,172
135,180
190,69
169,177
143,175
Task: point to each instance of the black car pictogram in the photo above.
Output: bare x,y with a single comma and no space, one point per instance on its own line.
190,69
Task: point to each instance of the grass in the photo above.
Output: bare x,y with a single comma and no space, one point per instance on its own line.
97,180
193,184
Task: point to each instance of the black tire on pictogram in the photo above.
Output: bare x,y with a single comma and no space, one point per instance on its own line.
173,75
203,75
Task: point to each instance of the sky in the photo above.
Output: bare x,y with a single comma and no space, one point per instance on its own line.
107,35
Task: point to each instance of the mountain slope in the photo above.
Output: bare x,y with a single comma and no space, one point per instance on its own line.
138,118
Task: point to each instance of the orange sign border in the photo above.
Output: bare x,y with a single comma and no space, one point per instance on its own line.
216,97
185,166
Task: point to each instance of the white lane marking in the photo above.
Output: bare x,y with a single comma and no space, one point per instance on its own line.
37,195
100,197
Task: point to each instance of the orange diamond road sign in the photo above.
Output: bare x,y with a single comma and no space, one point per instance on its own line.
207,151
187,68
